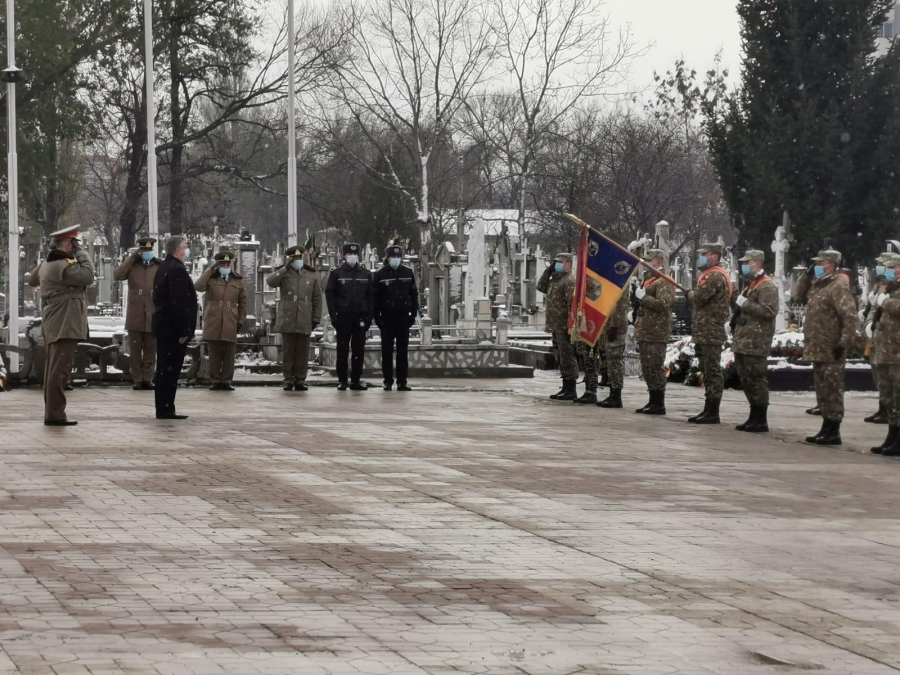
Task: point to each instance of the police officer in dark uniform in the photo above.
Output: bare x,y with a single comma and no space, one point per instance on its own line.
396,300
349,294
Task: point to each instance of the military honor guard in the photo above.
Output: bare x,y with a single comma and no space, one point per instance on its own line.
64,278
652,329
174,324
139,269
350,296
829,331
887,347
613,343
557,283
753,327
868,317
224,312
396,305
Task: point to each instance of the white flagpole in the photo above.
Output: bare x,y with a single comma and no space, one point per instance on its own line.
152,206
12,302
292,131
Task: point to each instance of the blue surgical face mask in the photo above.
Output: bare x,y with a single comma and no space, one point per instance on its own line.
890,274
820,271
745,270
297,264
225,271
352,260
702,261
147,256
187,255
879,270
394,262
559,267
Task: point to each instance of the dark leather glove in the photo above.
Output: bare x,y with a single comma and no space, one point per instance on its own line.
612,334
838,352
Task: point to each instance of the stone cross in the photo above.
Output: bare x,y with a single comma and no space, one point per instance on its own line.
780,247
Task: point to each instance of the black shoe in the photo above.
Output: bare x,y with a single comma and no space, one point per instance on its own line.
830,434
614,400
879,417
148,386
640,411
389,387
812,439
137,386
711,416
404,387
287,385
892,449
560,392
300,386
342,386
588,398
358,386
568,392
227,386
814,411
693,418
758,422
68,387
60,423
657,404
170,416
215,387
888,442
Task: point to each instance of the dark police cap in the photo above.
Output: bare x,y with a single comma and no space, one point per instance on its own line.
393,251
350,248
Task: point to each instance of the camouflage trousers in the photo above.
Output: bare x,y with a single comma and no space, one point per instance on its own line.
653,358
889,382
881,374
590,360
753,371
615,365
710,356
565,355
829,379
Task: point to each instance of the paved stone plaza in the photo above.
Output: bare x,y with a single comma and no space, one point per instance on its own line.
470,527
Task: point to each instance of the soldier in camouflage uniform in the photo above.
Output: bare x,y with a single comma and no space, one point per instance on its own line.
558,285
652,329
613,343
711,302
754,327
590,357
829,330
868,318
887,345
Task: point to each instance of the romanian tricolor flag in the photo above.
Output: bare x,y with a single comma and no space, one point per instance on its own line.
603,272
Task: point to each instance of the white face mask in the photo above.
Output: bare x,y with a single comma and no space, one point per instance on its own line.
394,262
297,264
352,260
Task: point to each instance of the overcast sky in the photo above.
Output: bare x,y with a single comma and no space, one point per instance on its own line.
694,29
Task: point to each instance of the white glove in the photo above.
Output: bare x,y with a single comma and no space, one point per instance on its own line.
873,296
870,331
741,300
728,328
630,316
881,299
640,293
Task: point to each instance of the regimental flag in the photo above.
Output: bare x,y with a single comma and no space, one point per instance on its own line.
603,272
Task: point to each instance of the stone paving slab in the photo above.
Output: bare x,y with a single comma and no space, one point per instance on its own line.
456,529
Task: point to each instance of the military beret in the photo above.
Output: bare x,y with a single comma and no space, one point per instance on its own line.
829,255
350,248
146,242
224,256
393,251
753,254
654,253
718,249
295,252
70,232
563,257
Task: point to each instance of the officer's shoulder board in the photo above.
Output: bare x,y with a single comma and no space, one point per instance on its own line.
70,261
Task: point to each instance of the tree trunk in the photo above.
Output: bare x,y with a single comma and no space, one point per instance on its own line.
176,183
134,188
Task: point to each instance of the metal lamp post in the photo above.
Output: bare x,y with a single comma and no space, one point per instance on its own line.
292,131
152,207
11,76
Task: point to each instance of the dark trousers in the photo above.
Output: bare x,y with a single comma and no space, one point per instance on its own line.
395,334
350,336
60,357
169,360
295,356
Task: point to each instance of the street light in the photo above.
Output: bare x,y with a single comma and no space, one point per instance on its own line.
11,76
152,209
292,131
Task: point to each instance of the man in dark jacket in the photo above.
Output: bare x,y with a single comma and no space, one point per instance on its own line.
396,300
349,294
174,322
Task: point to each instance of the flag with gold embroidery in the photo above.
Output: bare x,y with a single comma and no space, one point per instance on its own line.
603,271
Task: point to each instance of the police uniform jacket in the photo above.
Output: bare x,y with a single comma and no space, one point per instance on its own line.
350,292
396,295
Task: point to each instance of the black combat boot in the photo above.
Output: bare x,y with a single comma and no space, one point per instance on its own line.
590,392
614,400
693,418
560,392
830,434
711,416
657,403
758,422
568,392
892,449
640,411
812,439
750,420
888,442
879,417
814,411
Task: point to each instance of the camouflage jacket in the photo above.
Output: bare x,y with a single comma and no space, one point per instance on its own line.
830,316
887,330
617,321
654,320
754,325
711,302
559,289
